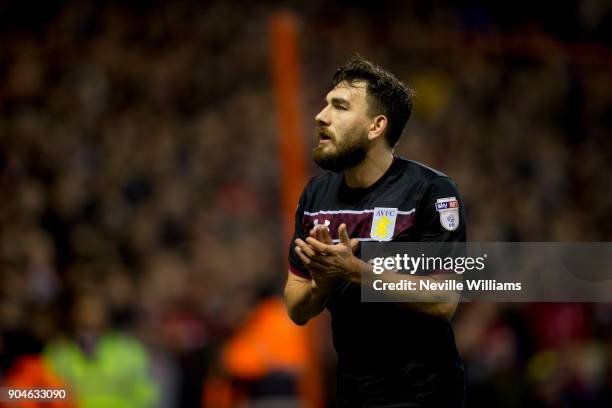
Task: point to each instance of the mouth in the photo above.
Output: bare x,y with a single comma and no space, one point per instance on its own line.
324,137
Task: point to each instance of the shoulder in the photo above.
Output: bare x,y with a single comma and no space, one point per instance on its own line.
419,171
425,178
436,194
319,184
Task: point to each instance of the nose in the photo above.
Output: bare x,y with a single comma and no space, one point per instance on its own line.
322,118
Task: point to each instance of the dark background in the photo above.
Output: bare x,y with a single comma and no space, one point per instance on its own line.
139,174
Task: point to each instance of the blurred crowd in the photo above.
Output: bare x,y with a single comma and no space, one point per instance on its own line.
140,213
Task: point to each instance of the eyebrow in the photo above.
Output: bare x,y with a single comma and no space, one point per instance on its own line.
339,101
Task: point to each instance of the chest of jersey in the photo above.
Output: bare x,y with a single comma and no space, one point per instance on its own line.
376,216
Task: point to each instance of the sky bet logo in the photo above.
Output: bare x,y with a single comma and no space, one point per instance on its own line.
447,205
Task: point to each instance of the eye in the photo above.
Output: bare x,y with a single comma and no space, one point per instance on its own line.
341,107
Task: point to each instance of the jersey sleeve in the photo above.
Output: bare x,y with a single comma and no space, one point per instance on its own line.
442,213
295,263
442,221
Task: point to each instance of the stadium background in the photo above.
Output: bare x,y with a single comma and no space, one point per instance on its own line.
149,152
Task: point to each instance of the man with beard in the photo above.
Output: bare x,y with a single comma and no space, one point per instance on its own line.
399,354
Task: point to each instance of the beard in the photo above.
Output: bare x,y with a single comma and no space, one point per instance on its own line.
338,156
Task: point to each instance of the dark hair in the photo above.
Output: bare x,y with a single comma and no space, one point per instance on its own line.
387,94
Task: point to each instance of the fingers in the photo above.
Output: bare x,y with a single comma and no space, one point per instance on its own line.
321,233
343,235
320,241
305,260
310,263
309,254
324,235
304,247
321,247
344,238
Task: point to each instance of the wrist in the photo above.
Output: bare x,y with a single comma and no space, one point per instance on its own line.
361,269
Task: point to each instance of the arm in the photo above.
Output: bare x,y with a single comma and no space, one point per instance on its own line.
440,303
340,262
304,298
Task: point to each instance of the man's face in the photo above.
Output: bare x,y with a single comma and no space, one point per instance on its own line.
342,128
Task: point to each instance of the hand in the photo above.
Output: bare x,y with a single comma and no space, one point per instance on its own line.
321,233
328,262
320,279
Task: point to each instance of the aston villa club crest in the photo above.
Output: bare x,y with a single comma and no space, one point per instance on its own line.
383,224
448,208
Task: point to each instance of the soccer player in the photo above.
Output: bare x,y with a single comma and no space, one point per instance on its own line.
390,354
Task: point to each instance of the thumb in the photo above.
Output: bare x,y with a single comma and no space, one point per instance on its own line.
343,235
354,245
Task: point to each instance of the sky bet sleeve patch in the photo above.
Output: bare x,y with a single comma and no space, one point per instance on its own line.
448,208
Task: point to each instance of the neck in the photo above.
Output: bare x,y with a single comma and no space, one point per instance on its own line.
372,168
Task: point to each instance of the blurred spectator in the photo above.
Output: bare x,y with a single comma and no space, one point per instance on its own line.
103,368
265,359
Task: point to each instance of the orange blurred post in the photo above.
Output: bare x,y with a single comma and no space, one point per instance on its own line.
286,79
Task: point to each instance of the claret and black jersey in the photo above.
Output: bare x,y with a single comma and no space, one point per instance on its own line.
388,356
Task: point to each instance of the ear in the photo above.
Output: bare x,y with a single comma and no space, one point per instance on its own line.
377,127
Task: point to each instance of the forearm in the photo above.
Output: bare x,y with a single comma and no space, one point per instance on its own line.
304,300
438,303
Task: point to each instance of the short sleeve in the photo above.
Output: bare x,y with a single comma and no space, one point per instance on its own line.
442,213
295,263
441,219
